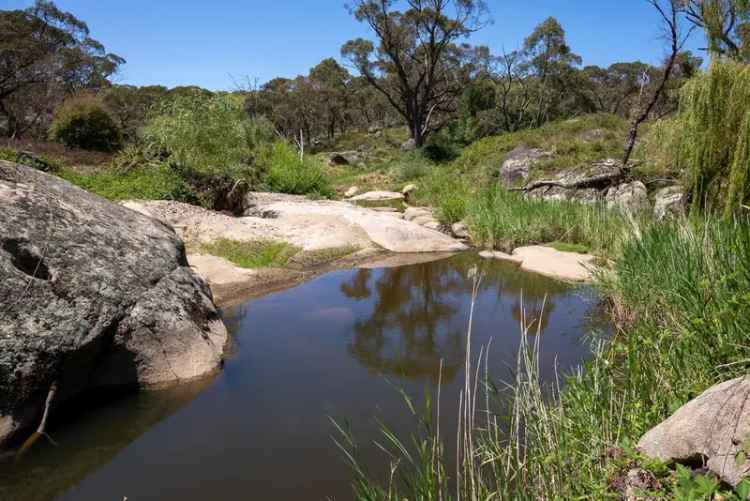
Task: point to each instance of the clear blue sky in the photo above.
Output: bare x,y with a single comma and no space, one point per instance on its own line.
208,43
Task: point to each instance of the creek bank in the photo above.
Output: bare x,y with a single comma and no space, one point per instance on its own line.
94,296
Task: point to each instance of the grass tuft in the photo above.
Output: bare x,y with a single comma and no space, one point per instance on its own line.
256,254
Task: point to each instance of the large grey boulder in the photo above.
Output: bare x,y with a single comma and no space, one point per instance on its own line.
713,429
92,295
669,202
630,198
518,163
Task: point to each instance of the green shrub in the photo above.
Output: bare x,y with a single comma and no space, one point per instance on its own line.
411,166
84,122
286,173
211,134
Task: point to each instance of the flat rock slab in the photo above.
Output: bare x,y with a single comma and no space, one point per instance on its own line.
501,256
382,229
378,196
310,225
568,266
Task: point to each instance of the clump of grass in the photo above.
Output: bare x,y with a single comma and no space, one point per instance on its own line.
569,247
411,166
255,254
307,259
146,183
505,220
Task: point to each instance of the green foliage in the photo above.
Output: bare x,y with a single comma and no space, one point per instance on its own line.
411,166
256,254
504,220
568,247
147,183
287,173
714,149
83,122
211,134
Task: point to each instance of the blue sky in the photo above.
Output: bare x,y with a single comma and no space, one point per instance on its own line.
213,43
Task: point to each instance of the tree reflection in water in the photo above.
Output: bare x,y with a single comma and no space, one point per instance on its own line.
413,324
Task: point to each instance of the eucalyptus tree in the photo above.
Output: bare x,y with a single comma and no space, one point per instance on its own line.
332,87
551,63
418,61
46,54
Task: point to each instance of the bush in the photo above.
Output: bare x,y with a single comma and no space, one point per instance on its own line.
286,173
84,122
210,134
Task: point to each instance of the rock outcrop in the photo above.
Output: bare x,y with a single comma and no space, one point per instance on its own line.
586,184
92,295
711,431
669,202
630,198
518,163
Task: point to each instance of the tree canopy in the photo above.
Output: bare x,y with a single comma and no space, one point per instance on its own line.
418,64
46,54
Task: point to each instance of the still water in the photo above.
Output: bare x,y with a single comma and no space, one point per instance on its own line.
338,346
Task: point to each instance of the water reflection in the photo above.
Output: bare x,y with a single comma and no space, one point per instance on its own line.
402,334
413,325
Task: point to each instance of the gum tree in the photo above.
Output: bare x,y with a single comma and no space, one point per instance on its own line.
418,61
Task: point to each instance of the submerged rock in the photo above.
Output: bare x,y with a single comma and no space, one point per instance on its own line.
711,431
500,256
93,295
